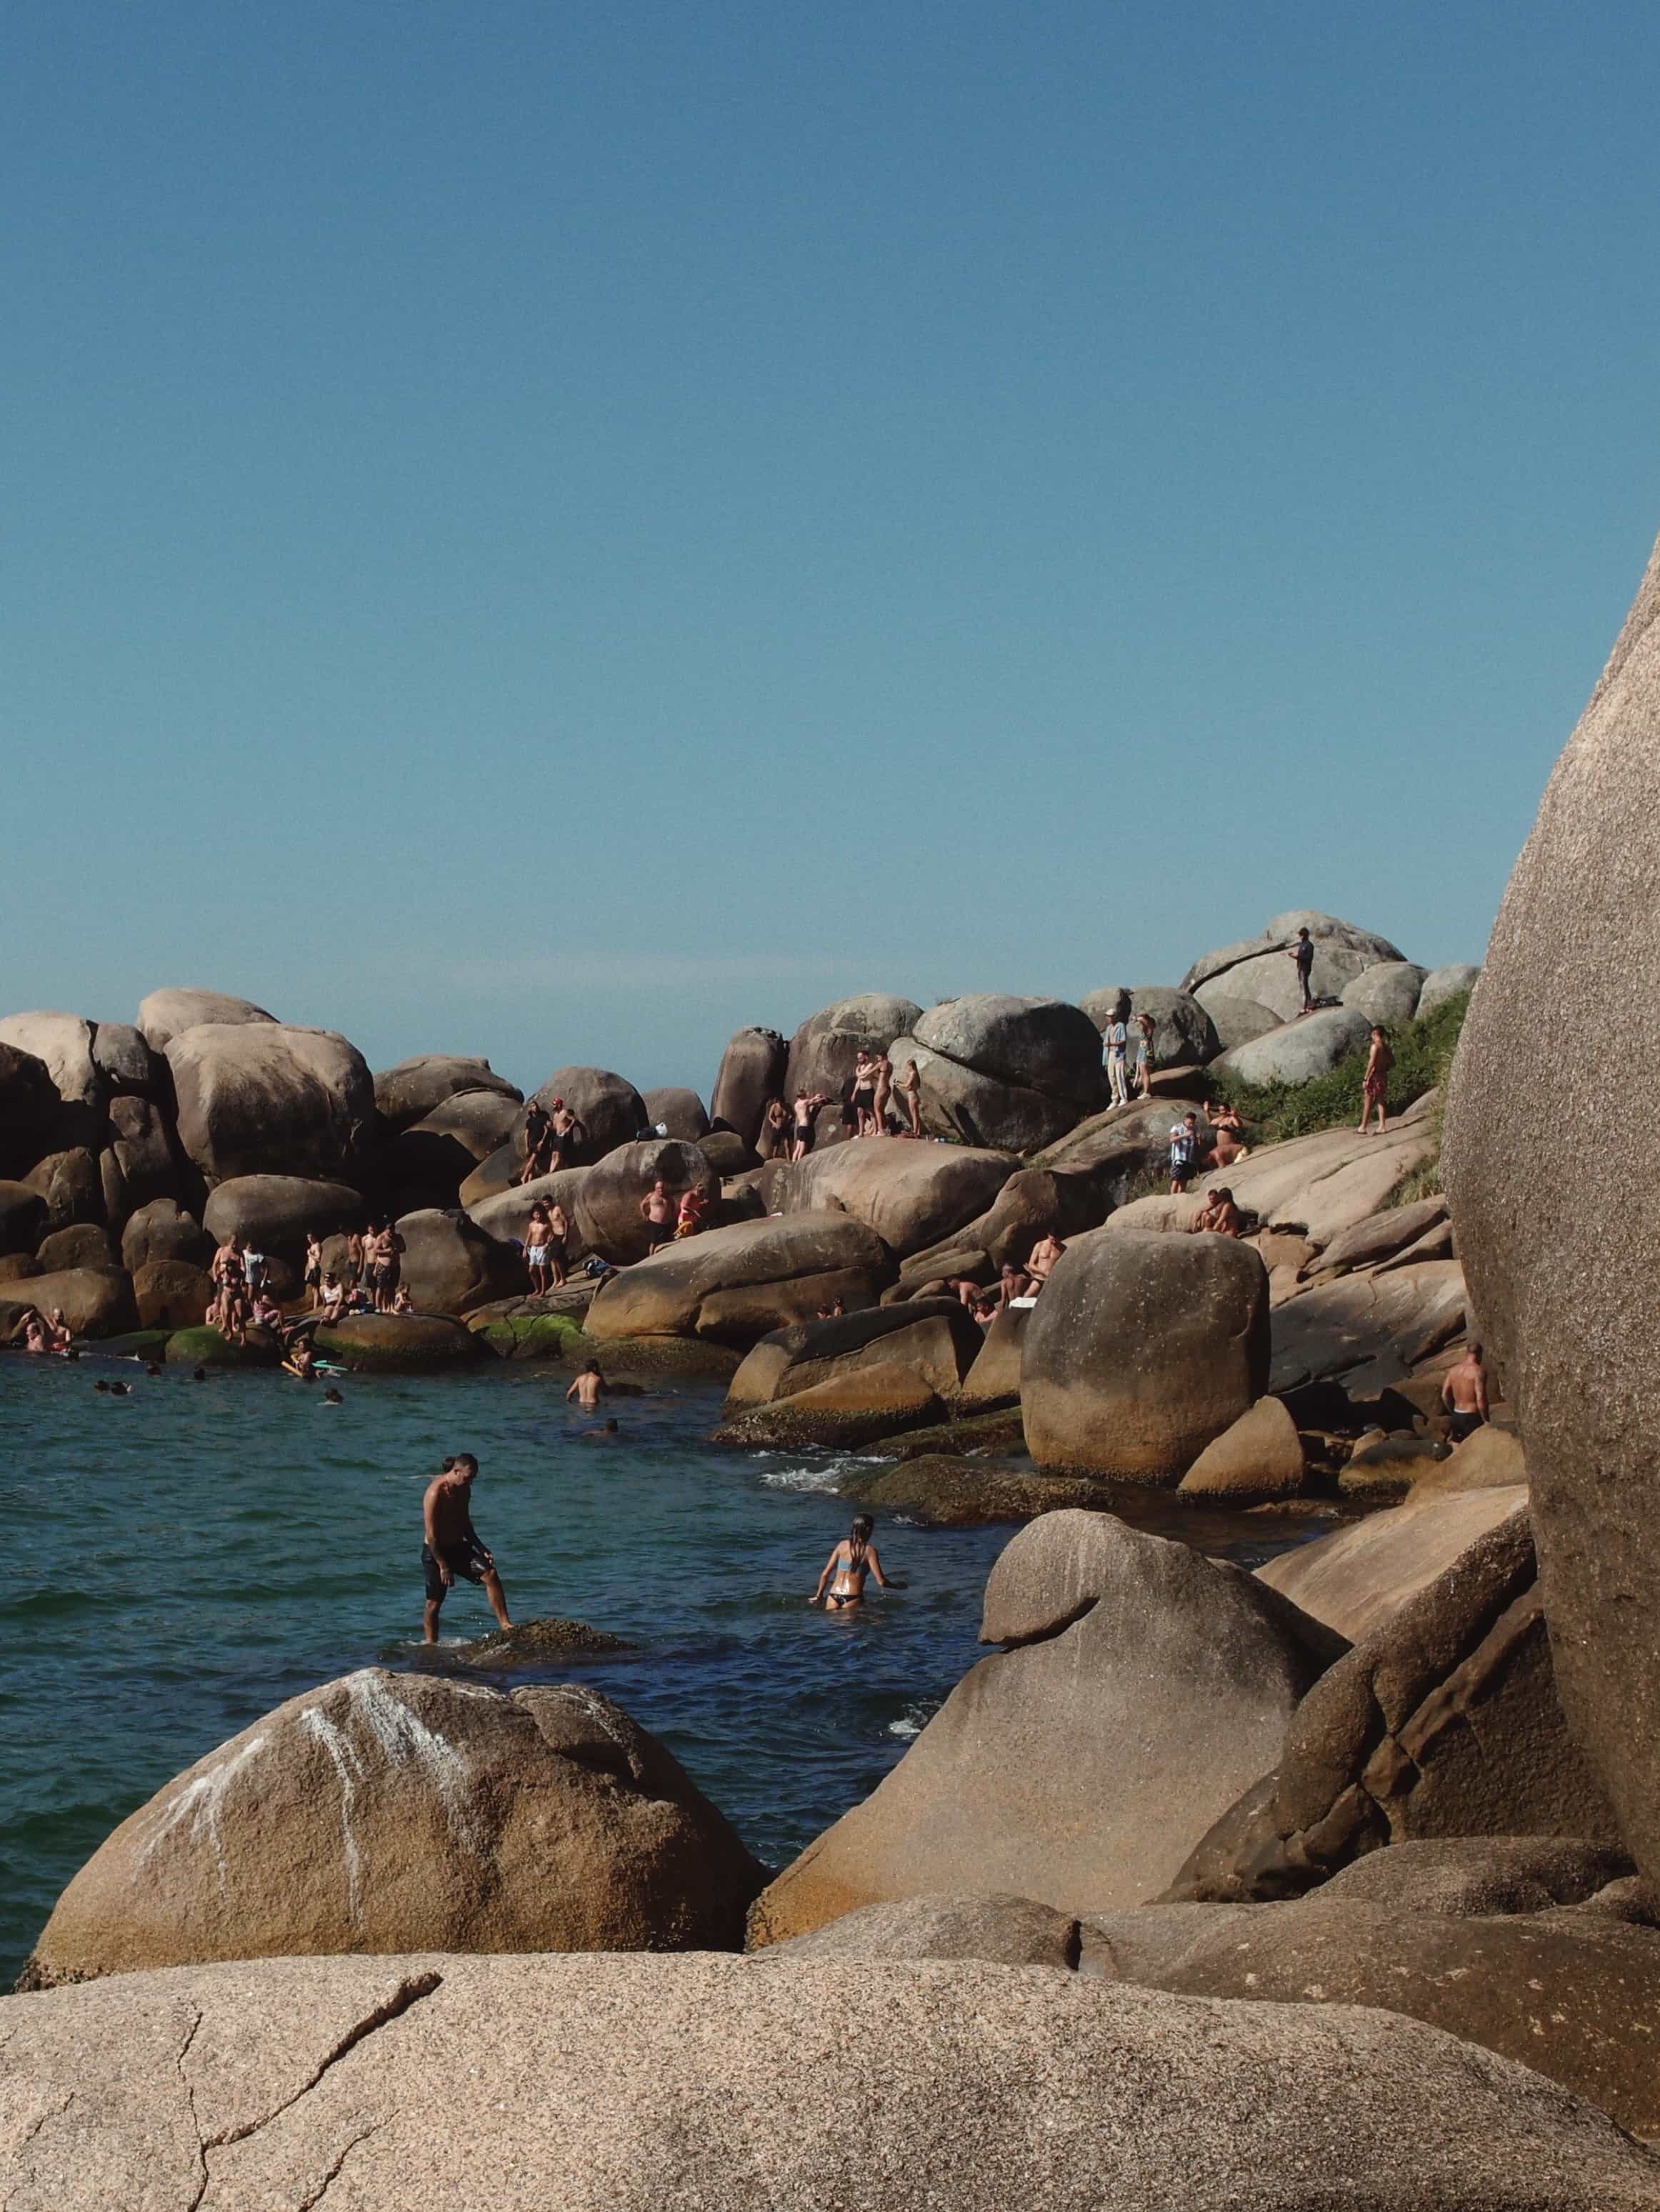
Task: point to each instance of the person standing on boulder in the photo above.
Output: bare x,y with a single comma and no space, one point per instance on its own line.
1375,1090
1464,1394
1183,1151
1117,1047
1302,953
535,1139
389,1249
452,1546
657,1208
910,1090
1143,1028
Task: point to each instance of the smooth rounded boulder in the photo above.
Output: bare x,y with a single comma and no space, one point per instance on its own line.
936,1337
276,1214
608,1199
1237,1021
1301,1051
824,1051
610,1109
739,1283
28,1109
164,1015
71,1185
398,1344
637,2084
1142,1349
1183,1034
1259,1457
1362,1574
390,1812
1442,985
1145,1685
911,1194
95,1301
753,1070
450,1265
676,1111
1555,1222
63,1043
1387,993
1260,968
163,1230
261,1098
406,1094
171,1293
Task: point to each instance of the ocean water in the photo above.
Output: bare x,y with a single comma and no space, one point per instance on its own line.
184,1557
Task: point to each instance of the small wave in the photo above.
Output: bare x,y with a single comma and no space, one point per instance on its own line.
912,1721
824,1475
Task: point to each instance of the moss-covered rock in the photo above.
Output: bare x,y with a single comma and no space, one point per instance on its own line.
532,1336
398,1344
205,1348
139,1344
998,1431
946,1491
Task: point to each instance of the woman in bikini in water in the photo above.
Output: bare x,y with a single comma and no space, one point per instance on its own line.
845,1570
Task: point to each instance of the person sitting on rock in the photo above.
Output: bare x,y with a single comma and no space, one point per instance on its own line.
313,1270
846,1569
967,1290
1218,1215
1183,1151
539,1234
265,1313
833,1311
1040,1262
334,1296
1302,953
535,1143
1374,1086
589,1388
690,1218
1013,1282
910,1090
1225,1149
1464,1394
657,1209
403,1303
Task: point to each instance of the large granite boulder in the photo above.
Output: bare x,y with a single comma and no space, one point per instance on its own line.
1299,1050
1079,1766
1442,985
164,1015
1551,1188
258,1097
1387,993
399,1344
406,1094
28,1109
1033,1203
640,2083
95,1301
1116,1152
506,1216
1442,1722
1573,1994
84,1245
610,1109
1142,1349
71,1185
1314,1186
936,1338
63,1043
126,1063
1258,969
825,1049
1237,1020
1005,1931
144,1151
737,1283
753,1070
276,1214
171,1293
163,1230
1360,1575
1259,1458
22,1217
1373,1328
450,1265
858,1405
1010,1073
607,1217
406,1811
911,1195
677,1111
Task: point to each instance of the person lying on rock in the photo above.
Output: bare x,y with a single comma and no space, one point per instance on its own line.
1464,1394
452,1546
589,1388
847,1567
1040,1262
1218,1215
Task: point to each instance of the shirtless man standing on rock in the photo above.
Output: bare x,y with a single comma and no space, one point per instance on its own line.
452,1546
1464,1394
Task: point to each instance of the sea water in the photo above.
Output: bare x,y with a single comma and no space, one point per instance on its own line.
180,1559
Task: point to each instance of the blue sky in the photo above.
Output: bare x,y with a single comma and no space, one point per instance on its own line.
556,531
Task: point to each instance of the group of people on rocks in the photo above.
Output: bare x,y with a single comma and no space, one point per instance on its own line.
789,1131
369,1279
551,1138
1189,1154
1126,1054
1016,1283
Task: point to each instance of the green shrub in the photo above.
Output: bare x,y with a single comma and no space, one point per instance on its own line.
1423,1055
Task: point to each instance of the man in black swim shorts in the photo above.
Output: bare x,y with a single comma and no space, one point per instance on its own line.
453,1544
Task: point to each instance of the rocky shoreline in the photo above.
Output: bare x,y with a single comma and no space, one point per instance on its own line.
1203,1887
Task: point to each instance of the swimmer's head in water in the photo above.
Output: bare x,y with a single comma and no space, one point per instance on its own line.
611,1428
200,1374
331,1397
100,1386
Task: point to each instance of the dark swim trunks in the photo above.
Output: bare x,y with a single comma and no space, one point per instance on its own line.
465,1564
1464,1424
805,1134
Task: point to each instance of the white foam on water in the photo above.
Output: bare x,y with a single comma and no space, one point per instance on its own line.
203,1799
823,1475
912,1721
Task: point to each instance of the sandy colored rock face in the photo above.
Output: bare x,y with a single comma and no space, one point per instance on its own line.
260,1099
1375,1326
1558,1225
751,1070
678,1110
1151,1686
450,1266
936,1338
406,1094
164,1014
911,1194
95,1301
1314,1186
638,2084
854,1407
1359,1577
275,1212
1261,1456
739,1283
385,1811
1142,1350
1300,1051
608,1106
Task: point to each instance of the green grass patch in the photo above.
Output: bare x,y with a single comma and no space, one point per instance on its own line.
533,1336
1423,1055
